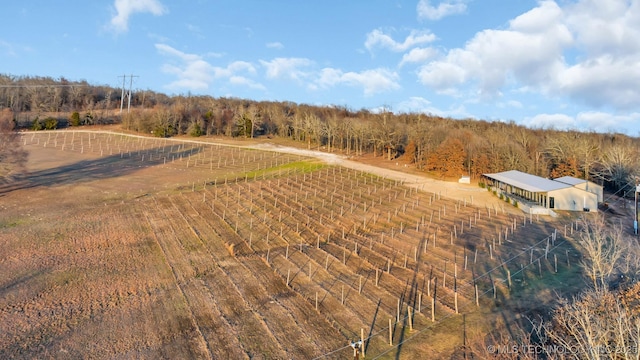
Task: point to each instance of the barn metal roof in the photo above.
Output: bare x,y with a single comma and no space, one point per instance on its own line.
570,180
527,182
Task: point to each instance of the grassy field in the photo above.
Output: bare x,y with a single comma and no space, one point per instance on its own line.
126,247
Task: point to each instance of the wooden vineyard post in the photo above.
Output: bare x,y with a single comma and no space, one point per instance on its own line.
420,302
539,268
477,295
455,294
342,296
531,256
546,250
316,301
493,283
509,278
398,311
377,276
390,333
433,309
360,285
288,275
410,318
555,262
444,276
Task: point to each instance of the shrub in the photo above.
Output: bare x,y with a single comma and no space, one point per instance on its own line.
37,124
74,119
50,123
196,130
481,184
88,119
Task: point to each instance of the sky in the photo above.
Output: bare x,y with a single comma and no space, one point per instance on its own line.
564,64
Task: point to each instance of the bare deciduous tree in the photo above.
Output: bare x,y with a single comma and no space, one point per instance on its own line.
603,245
596,325
12,156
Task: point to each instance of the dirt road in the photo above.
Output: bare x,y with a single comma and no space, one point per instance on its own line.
445,188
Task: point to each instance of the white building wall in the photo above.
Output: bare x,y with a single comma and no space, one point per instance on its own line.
592,188
573,199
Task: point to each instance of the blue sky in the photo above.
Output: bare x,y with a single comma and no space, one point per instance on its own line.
564,64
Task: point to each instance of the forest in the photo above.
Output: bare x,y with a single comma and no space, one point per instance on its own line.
442,147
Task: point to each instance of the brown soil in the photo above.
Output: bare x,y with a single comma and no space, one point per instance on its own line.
129,247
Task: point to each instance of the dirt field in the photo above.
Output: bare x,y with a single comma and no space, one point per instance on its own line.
127,247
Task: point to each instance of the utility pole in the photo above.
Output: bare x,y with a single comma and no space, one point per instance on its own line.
130,85
122,95
124,79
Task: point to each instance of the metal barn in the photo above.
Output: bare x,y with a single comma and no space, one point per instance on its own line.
537,195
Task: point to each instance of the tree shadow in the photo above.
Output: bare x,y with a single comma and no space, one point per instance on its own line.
410,294
111,166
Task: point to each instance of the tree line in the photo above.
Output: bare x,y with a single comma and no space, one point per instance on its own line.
443,147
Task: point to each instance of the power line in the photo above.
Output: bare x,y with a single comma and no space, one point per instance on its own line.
44,86
468,284
124,79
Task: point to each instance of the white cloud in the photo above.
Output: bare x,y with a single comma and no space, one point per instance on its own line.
126,8
238,66
286,68
588,120
529,51
603,81
606,122
609,70
194,73
372,81
414,104
510,104
418,104
243,81
427,11
418,55
551,121
445,76
275,45
585,50
377,38
7,47
611,27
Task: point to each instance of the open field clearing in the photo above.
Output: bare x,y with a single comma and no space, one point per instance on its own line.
114,246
